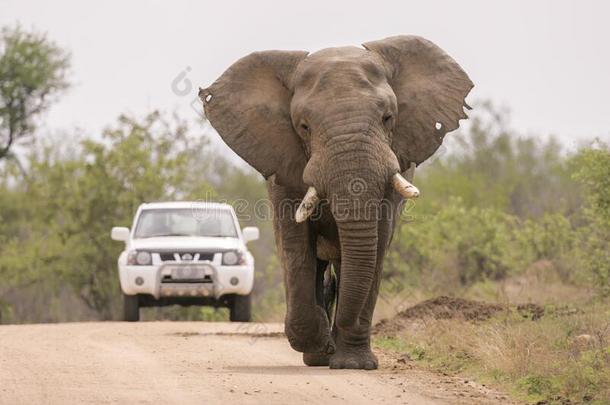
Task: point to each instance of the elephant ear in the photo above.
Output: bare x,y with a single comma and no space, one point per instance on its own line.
430,89
249,106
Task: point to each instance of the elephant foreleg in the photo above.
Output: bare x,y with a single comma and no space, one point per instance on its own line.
306,325
353,347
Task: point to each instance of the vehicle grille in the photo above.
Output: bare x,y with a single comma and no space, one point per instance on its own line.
170,280
171,256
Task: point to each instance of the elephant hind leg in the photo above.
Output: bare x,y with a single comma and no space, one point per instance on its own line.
335,273
321,266
330,291
326,293
326,288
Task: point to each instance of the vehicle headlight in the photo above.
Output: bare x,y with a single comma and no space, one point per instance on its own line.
232,257
139,258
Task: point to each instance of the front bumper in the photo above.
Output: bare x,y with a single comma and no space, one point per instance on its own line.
158,280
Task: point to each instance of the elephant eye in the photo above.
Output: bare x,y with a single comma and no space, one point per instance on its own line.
386,118
305,127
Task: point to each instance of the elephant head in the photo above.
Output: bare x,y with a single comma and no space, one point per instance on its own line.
341,123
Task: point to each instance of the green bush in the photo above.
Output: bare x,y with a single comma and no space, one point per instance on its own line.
499,203
592,169
463,244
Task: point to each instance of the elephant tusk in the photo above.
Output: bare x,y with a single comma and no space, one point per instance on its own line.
307,205
402,185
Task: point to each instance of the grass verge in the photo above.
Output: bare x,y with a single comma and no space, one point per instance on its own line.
563,357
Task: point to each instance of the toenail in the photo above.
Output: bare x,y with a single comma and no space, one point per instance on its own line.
369,365
351,364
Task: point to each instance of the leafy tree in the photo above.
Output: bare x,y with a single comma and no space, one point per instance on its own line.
32,71
493,203
68,204
592,169
487,164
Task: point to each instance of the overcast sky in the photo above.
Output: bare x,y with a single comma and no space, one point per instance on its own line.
548,61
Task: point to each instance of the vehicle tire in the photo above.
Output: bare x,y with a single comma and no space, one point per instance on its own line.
241,308
131,308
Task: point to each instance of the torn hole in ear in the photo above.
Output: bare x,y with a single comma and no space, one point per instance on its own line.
438,126
208,98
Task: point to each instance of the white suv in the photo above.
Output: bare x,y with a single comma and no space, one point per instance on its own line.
186,253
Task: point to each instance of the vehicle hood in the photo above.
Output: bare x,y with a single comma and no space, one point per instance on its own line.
187,243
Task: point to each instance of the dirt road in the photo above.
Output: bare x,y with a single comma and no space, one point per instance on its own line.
196,363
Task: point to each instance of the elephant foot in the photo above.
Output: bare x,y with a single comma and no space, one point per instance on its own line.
310,335
316,359
359,357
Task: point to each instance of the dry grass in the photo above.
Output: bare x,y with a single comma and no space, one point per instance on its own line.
540,283
563,357
555,359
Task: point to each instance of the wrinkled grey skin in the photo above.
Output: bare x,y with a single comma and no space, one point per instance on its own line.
343,120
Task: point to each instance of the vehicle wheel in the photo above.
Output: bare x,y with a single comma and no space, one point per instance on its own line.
241,308
131,308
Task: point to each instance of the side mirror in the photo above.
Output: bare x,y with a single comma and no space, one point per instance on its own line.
120,233
250,233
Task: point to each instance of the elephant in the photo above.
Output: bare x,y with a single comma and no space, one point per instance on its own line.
334,133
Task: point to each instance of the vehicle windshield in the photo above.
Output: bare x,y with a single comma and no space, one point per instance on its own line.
185,222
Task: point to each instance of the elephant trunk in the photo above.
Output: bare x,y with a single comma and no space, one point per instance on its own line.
358,266
355,194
